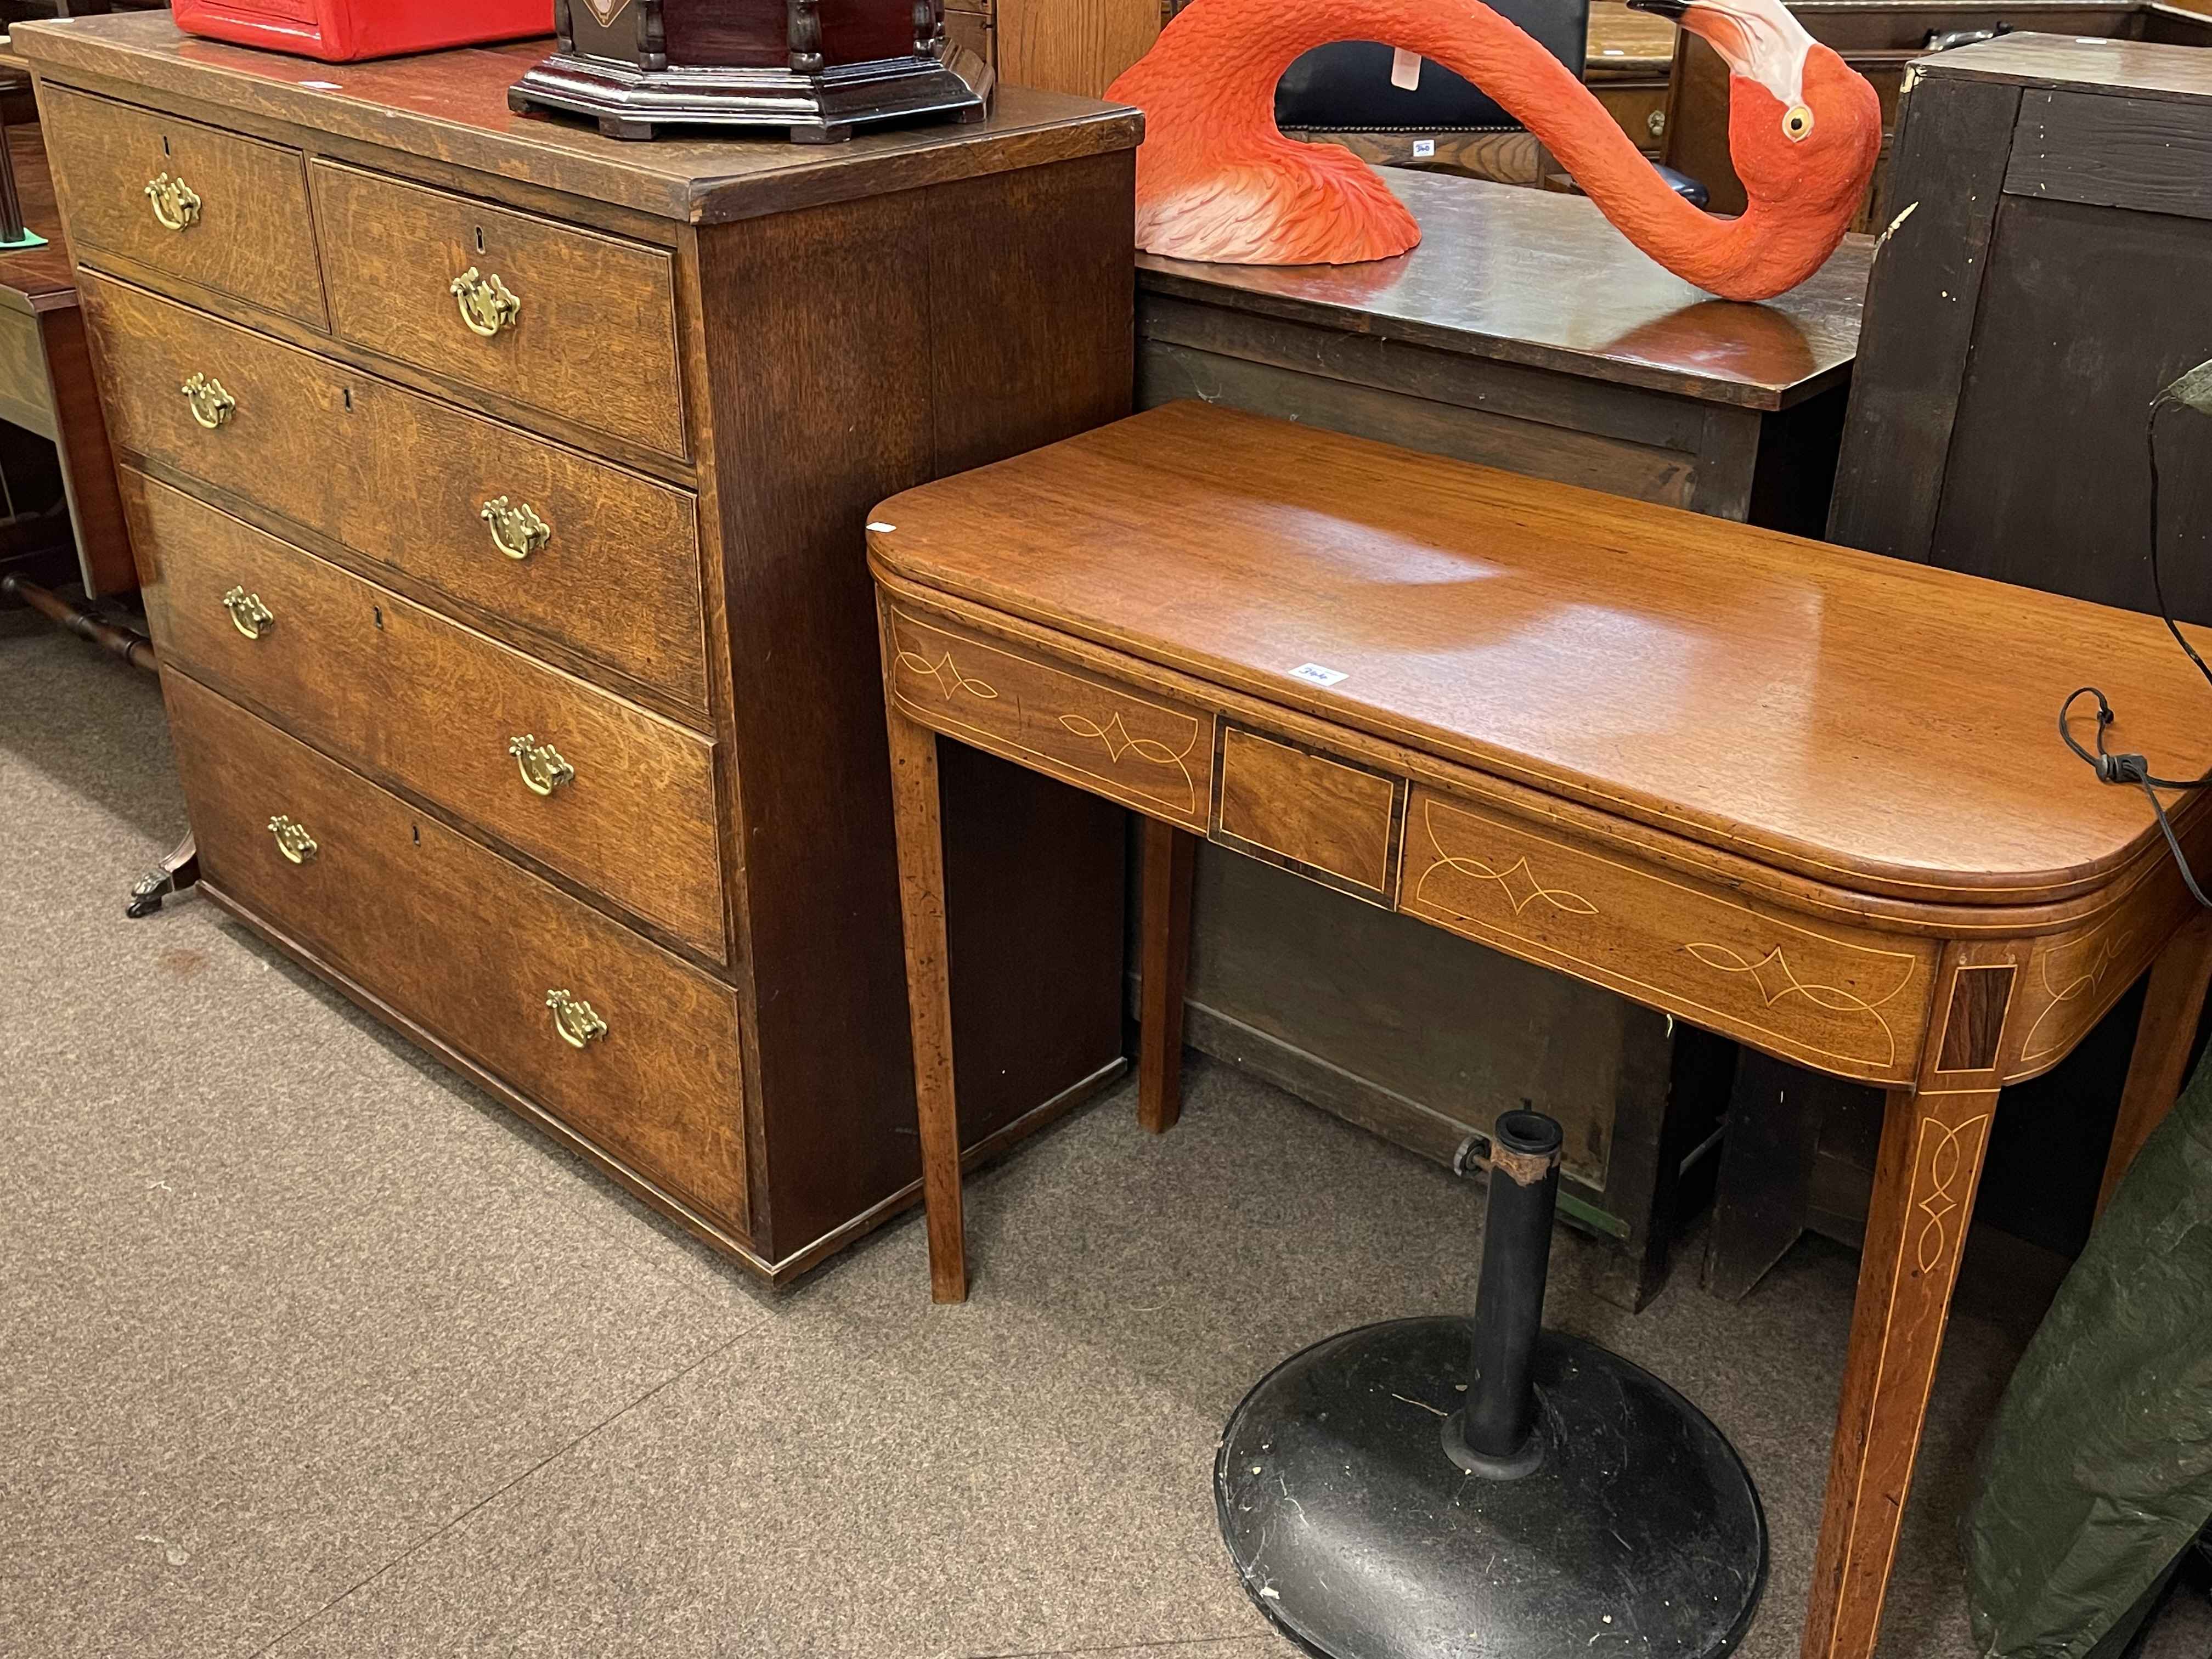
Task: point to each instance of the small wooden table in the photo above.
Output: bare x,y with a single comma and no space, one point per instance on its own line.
1806,797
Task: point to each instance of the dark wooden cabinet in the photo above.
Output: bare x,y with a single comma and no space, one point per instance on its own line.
500,493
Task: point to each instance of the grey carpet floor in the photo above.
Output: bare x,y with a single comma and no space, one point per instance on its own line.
308,1348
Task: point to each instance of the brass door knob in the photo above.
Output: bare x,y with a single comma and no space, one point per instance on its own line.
212,405
576,1021
176,204
247,614
486,305
292,840
540,763
516,531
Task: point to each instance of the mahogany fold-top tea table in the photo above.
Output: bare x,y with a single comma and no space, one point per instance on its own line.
1811,799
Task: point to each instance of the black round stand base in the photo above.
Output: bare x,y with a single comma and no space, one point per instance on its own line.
1638,1531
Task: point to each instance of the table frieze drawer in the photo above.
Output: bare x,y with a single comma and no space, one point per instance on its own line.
1840,999
208,207
636,1051
1137,747
577,324
1332,820
610,794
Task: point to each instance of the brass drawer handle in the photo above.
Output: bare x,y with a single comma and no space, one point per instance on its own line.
211,405
176,204
577,1022
292,840
516,531
540,763
486,305
247,614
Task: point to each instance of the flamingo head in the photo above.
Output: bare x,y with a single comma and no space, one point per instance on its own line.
1804,127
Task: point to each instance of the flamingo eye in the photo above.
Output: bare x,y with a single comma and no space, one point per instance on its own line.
1798,125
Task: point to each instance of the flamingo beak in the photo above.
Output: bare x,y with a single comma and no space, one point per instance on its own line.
1759,38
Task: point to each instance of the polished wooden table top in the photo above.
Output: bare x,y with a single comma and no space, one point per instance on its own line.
36,278
1887,727
452,106
1537,277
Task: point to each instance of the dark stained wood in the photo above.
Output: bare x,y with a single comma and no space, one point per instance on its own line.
403,694
595,340
1764,1191
661,1091
2164,1041
1171,857
254,238
2147,154
1532,629
1528,276
1951,154
451,106
1168,557
882,352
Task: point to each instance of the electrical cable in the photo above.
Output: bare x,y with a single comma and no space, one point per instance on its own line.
2125,768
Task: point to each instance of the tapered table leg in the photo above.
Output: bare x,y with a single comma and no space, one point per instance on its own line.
1171,855
2171,1007
1930,1164
921,901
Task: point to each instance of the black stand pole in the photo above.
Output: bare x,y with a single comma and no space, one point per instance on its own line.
1561,1498
1492,1434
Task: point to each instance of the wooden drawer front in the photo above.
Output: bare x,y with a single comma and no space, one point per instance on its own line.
252,235
1326,818
1145,752
1823,993
616,577
594,341
287,442
434,706
469,946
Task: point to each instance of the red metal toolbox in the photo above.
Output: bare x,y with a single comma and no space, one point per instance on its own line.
342,30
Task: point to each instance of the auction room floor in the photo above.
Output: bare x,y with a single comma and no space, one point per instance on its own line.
306,1347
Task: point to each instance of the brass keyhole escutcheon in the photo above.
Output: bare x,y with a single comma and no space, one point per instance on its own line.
176,204
516,531
486,305
247,614
212,405
577,1022
540,763
292,840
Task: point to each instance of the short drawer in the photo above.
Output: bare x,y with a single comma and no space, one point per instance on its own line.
1051,716
209,207
579,325
1331,819
473,949
272,423
612,796
1823,992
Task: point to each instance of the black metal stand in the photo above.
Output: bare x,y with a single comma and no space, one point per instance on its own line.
1560,1503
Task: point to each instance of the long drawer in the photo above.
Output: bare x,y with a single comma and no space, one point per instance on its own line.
593,556
193,202
633,1049
615,797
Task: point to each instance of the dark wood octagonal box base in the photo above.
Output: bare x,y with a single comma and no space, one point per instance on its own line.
819,108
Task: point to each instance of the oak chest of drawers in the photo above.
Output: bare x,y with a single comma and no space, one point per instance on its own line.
499,494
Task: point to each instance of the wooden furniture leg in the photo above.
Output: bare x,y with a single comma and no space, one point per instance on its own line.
1171,855
1930,1164
915,809
2164,1036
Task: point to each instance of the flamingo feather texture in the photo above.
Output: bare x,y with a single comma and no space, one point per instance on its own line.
1218,181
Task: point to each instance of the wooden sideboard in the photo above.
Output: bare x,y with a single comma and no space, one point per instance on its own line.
1526,333
498,493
